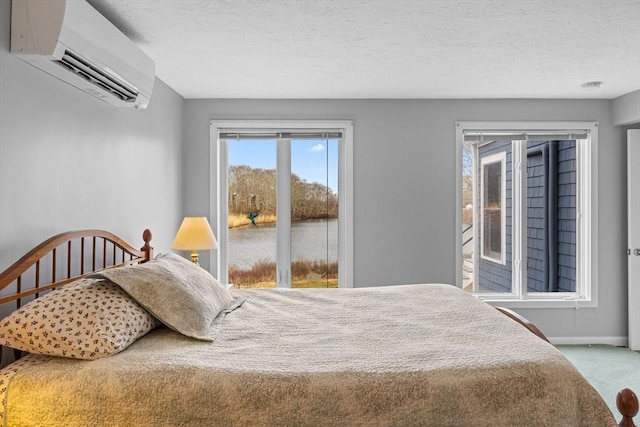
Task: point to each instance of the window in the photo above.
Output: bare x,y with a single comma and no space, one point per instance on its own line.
283,205
527,225
493,207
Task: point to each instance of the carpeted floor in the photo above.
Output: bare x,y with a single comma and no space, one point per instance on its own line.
609,369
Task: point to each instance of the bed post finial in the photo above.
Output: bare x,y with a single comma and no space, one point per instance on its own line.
147,248
627,403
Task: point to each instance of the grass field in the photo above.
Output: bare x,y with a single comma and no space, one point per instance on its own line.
331,283
304,274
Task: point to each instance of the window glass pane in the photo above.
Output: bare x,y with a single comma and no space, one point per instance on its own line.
467,217
551,216
252,213
492,206
314,213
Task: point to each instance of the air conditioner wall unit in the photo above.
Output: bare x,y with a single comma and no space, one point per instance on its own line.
72,41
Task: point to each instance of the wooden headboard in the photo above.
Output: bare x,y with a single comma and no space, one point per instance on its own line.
66,257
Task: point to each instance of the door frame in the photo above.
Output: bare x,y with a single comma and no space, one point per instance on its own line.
633,236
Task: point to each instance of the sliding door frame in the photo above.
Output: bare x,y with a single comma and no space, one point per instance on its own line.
218,179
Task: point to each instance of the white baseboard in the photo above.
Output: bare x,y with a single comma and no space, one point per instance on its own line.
614,341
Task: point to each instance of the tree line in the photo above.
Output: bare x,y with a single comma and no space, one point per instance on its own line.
254,190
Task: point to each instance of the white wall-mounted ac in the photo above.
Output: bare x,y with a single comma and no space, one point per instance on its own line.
72,41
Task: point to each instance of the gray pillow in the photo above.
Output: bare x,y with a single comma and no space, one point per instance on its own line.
177,292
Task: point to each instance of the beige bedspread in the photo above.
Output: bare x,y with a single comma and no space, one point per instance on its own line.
399,356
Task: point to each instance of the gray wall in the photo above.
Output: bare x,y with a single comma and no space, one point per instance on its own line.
69,161
404,184
626,109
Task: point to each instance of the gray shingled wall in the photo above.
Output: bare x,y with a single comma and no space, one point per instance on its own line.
537,241
567,216
494,276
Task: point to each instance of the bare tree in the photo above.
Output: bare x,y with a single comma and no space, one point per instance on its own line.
253,189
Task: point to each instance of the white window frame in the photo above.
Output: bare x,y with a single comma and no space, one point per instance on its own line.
500,158
586,294
218,177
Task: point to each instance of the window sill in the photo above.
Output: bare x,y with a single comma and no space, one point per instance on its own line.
538,303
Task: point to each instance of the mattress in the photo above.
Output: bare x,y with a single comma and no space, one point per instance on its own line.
428,354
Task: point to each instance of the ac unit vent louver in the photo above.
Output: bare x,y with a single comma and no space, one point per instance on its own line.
94,75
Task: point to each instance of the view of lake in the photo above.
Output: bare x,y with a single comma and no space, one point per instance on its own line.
308,241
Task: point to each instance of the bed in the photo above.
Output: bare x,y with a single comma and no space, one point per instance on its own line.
118,341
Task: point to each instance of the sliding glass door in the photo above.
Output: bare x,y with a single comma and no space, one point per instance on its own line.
314,212
283,205
251,212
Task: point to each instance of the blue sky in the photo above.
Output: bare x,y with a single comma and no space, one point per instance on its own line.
308,158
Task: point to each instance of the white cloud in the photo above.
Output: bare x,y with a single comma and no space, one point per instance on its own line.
317,148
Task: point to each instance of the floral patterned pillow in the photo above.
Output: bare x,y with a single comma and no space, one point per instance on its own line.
87,319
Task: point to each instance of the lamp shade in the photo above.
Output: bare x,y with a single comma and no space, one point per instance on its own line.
194,234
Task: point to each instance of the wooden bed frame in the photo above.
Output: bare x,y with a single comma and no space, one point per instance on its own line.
69,256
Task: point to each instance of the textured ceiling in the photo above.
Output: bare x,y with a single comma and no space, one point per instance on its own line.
386,48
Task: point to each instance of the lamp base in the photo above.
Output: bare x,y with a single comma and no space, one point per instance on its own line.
194,257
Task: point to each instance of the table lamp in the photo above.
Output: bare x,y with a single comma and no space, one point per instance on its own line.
193,235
